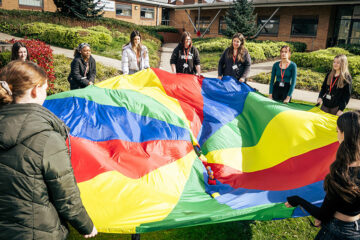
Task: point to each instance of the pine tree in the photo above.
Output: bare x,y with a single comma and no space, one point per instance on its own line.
83,9
241,18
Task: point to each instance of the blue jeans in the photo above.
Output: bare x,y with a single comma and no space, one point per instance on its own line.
337,229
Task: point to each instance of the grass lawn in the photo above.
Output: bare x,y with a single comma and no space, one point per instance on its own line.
294,228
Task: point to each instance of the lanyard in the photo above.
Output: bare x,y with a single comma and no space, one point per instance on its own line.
234,56
333,84
283,73
186,55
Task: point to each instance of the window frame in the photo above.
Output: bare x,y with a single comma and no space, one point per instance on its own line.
205,20
304,17
147,8
265,18
127,7
30,5
222,22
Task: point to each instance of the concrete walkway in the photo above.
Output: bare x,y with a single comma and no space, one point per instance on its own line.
110,62
257,68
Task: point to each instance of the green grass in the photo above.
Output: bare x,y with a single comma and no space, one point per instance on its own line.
293,228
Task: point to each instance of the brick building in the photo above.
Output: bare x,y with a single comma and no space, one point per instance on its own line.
143,12
318,23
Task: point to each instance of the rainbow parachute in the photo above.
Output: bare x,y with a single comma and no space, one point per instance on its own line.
132,151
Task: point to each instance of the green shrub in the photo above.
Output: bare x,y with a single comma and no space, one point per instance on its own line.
356,86
64,36
353,48
99,28
256,52
161,28
5,58
322,60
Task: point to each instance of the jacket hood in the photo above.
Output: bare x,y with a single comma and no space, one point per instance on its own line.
21,121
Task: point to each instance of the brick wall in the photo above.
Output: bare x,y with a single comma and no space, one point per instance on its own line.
286,14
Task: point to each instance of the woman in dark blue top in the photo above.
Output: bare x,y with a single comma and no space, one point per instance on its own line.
339,215
285,73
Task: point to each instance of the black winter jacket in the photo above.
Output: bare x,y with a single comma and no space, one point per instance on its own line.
178,57
77,78
225,67
38,191
339,96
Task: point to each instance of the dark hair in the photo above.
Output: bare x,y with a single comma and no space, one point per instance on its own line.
77,51
184,35
242,51
17,77
339,182
15,51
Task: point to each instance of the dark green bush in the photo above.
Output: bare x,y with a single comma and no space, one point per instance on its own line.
5,58
352,48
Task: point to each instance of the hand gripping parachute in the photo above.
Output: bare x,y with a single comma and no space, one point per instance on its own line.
132,141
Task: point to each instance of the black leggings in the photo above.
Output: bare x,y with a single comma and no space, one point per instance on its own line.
280,93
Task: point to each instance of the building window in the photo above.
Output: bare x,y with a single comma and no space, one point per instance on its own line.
271,28
347,25
304,26
204,23
147,13
123,10
31,3
222,25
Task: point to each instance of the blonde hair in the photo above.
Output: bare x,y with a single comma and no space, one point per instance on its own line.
344,72
19,76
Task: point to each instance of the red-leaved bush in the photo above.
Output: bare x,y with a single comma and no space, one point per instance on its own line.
41,54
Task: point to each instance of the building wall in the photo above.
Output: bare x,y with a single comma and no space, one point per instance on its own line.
286,14
49,6
180,20
136,18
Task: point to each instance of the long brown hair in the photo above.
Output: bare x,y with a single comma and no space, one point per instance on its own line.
242,49
344,72
17,77
134,34
339,182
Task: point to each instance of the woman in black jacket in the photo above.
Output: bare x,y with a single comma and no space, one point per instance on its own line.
83,68
336,89
339,215
185,57
38,191
235,60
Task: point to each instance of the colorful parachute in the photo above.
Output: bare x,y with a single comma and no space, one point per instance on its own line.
132,151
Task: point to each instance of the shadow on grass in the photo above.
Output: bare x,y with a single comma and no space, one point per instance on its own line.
229,231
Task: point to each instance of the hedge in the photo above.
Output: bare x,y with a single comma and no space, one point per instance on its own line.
322,60
66,37
309,80
352,48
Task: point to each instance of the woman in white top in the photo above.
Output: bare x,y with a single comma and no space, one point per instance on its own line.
135,56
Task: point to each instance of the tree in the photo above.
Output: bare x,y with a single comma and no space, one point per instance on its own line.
241,18
83,9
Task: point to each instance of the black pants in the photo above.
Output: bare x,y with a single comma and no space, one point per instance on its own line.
337,229
280,93
330,110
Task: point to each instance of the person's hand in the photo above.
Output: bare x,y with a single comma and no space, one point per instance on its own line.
91,83
270,96
92,234
219,77
319,101
287,100
317,223
288,205
339,113
241,80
